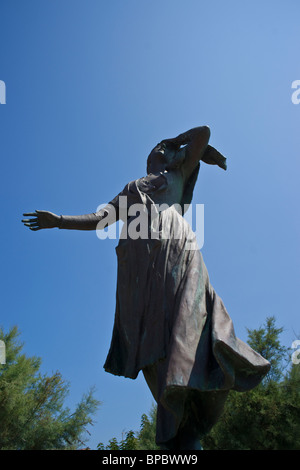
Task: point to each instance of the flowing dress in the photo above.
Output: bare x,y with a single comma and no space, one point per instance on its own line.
169,321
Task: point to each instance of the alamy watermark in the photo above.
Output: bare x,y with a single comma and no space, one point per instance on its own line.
296,354
2,352
2,92
296,94
155,222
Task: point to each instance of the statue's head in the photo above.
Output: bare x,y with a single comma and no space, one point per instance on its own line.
160,157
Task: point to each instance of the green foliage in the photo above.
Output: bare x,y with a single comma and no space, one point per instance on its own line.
32,415
129,443
146,435
144,439
266,342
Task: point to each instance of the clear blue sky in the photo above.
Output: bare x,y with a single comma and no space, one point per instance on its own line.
91,87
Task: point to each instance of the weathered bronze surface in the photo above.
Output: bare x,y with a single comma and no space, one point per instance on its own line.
169,322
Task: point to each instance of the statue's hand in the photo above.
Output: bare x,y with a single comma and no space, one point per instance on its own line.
174,142
42,219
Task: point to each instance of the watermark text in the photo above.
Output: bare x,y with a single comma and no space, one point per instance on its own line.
296,94
296,354
2,352
2,92
153,222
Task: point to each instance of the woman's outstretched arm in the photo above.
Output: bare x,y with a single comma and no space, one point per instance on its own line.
43,219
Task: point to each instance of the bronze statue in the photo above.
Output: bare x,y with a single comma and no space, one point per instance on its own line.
169,322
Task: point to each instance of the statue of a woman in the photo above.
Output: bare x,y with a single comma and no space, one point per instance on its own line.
169,322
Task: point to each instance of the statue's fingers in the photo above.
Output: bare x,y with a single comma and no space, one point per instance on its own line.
31,225
29,220
30,214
